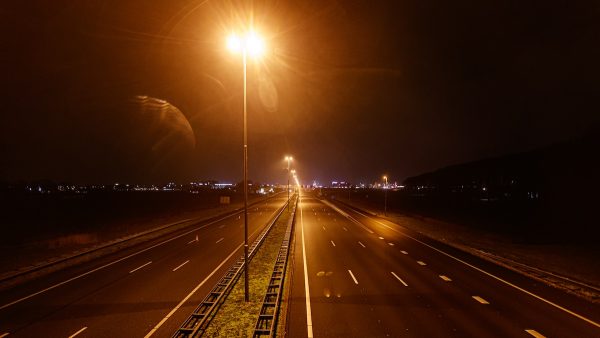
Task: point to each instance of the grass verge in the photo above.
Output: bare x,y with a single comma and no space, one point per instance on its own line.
236,318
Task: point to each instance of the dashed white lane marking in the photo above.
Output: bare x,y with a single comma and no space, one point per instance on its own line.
332,243
306,288
481,300
400,279
4,335
139,267
422,263
193,240
324,228
221,226
182,264
404,252
192,292
345,229
222,238
445,278
574,314
352,275
391,244
76,333
531,332
359,242
381,237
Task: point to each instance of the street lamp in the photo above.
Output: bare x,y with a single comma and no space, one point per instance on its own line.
294,175
288,159
249,44
385,195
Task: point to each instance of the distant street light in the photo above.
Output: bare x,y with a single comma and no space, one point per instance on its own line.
288,159
385,195
249,44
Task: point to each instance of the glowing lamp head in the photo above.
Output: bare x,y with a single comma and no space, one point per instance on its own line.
251,43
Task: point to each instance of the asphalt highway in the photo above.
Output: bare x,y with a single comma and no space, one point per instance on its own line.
356,275
144,291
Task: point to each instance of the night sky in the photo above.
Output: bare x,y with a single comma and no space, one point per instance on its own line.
146,91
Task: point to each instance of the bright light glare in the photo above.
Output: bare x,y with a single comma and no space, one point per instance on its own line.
251,43
254,44
234,43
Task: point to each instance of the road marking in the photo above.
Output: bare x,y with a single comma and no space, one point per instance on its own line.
221,226
345,229
182,264
381,237
332,243
391,244
347,216
139,267
222,238
400,279
445,278
4,335
481,300
531,332
78,332
404,252
307,290
421,263
359,242
352,275
109,264
192,292
324,228
193,240
574,314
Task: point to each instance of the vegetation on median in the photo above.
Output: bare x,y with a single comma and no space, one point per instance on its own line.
237,318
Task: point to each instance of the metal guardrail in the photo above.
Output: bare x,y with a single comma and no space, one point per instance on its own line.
198,321
266,323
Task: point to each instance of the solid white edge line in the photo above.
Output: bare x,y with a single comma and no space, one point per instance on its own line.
585,319
306,287
200,285
352,275
398,278
192,292
359,242
111,263
531,332
78,332
182,264
222,238
327,203
139,267
332,243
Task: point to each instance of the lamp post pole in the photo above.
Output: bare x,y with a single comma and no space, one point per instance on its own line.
385,195
252,44
288,158
246,287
